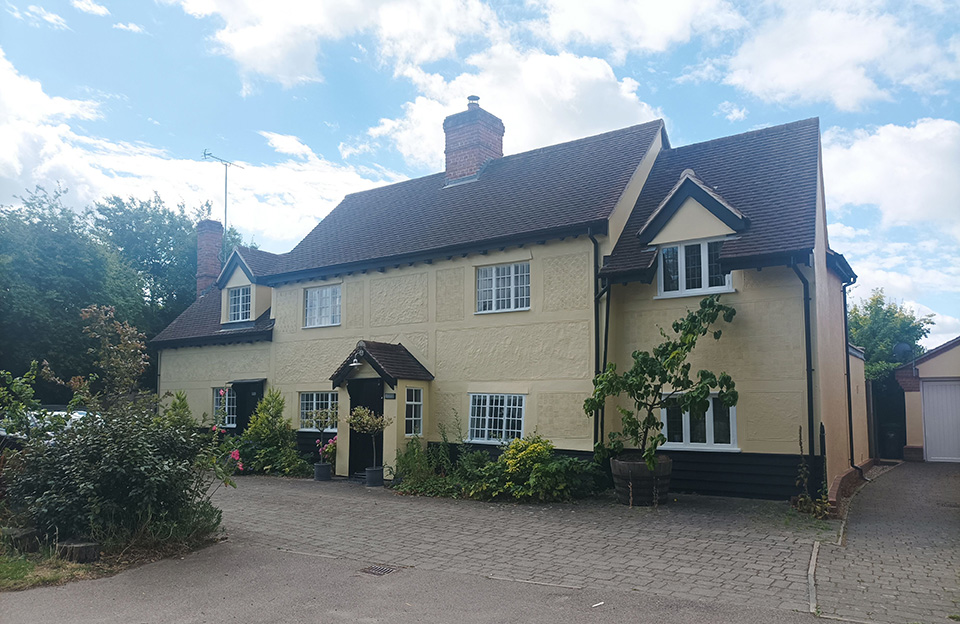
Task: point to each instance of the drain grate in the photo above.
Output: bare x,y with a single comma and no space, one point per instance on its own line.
378,570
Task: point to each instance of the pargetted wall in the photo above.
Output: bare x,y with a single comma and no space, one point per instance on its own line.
762,349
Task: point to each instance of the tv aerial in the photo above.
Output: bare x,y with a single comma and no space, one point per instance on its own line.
208,155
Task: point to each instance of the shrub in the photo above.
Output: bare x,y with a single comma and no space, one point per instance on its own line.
268,446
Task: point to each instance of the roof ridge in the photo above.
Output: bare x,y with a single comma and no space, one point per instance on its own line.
589,138
741,135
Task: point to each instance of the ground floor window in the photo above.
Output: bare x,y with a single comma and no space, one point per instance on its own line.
715,428
225,399
496,417
414,412
313,402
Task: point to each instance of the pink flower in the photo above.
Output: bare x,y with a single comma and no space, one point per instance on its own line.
240,466
318,442
222,392
235,455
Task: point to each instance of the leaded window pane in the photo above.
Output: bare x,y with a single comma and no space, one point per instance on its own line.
671,269
484,289
239,304
674,423
313,402
698,427
414,411
716,276
721,422
693,266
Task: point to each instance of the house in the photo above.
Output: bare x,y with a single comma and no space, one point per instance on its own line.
487,296
931,386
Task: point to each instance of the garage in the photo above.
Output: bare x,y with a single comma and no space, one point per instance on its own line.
941,420
931,386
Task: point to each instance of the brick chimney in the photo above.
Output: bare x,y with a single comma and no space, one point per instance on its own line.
209,242
474,136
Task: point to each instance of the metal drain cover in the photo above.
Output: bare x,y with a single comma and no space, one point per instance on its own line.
378,570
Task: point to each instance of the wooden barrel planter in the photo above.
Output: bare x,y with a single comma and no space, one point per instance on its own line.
636,484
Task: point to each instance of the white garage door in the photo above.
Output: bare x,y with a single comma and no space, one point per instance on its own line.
941,420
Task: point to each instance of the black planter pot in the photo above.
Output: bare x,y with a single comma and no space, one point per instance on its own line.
322,471
375,477
636,484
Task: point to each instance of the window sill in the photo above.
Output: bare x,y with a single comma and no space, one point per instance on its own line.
413,435
235,321
233,426
320,326
696,293
490,442
526,309
314,429
675,446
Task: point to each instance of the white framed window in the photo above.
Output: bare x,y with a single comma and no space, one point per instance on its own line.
312,402
413,422
692,269
225,399
496,418
715,429
321,306
503,287
238,304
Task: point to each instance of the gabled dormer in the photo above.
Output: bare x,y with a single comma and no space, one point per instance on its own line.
243,300
688,230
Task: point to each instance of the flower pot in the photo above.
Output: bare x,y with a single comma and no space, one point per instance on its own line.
375,477
636,484
321,471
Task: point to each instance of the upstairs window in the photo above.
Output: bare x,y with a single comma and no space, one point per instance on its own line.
692,269
503,287
321,306
239,304
714,429
496,418
225,399
313,402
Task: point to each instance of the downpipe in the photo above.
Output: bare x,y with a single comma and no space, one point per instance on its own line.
809,352
846,353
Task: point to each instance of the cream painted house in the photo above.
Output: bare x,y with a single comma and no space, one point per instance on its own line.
490,294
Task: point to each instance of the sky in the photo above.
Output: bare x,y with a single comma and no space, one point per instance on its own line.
313,100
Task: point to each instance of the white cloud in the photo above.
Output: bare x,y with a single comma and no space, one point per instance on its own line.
130,27
280,40
91,7
846,54
626,27
38,15
38,145
731,111
910,173
542,99
945,327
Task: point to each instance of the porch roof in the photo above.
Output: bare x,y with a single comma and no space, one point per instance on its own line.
391,361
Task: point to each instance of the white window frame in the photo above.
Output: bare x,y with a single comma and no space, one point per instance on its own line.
480,429
327,300
683,291
413,412
230,409
709,445
241,309
315,401
509,277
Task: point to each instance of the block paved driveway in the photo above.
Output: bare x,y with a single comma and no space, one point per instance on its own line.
732,551
901,562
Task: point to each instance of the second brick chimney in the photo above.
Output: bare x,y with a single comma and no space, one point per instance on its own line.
209,243
473,137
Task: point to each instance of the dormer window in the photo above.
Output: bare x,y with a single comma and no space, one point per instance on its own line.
692,269
238,304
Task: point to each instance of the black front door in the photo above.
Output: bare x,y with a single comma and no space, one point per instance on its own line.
365,393
248,397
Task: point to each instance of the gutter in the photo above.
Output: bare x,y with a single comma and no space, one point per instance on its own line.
809,353
846,353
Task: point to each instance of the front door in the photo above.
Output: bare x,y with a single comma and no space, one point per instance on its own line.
248,397
365,393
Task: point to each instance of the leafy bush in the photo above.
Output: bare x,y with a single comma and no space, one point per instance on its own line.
121,475
527,470
268,446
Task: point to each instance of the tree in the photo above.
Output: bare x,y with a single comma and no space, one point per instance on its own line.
878,325
50,268
662,378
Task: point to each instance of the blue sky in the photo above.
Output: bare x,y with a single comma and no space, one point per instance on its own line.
318,99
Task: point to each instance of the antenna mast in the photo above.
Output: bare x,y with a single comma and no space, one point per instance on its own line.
207,155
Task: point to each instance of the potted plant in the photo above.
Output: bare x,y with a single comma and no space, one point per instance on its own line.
655,381
363,420
322,470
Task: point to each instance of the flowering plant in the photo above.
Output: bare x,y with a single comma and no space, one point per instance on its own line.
328,451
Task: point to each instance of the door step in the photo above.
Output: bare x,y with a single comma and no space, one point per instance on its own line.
358,477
